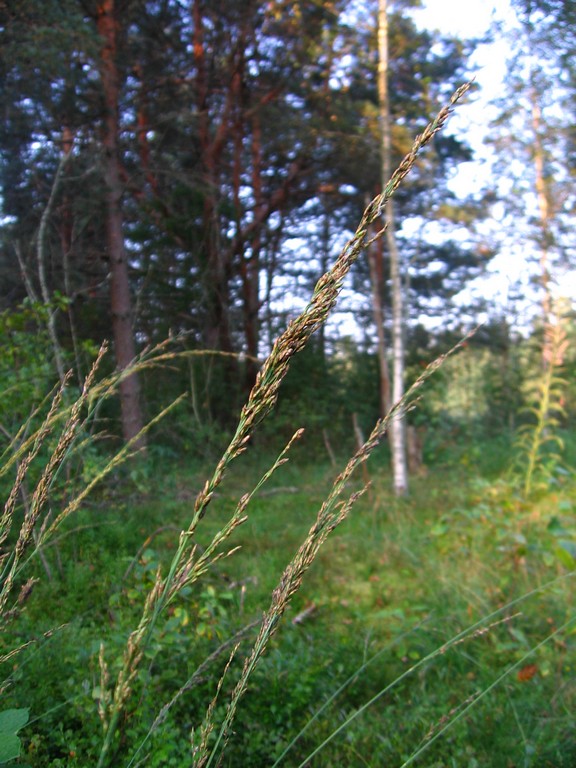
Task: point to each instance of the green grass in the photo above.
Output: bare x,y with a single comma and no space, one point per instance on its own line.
437,628
399,578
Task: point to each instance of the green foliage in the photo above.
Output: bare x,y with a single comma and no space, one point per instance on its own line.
26,363
405,577
11,721
522,535
403,582
434,549
322,393
538,444
476,392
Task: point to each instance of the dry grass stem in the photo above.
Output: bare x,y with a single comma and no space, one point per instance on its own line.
263,398
64,423
189,564
333,511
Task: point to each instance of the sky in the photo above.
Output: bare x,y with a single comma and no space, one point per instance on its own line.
469,19
508,272
473,19
464,18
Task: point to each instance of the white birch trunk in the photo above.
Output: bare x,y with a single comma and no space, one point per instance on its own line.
375,262
397,428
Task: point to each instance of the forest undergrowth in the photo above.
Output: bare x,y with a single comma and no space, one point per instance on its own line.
386,597
436,628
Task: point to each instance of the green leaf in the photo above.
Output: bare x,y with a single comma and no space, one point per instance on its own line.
569,545
566,553
556,528
11,720
519,636
9,746
439,529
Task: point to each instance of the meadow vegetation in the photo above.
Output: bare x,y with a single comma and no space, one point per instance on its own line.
165,618
400,581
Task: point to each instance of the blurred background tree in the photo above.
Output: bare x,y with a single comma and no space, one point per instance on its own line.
193,170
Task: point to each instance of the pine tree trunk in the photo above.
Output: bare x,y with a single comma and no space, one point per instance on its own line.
397,427
120,297
212,138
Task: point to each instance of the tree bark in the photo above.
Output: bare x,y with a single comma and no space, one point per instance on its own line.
544,207
397,427
251,263
212,141
376,264
120,296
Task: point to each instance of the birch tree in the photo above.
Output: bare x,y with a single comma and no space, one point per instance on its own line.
397,429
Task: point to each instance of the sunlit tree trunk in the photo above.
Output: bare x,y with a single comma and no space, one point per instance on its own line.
252,262
120,298
544,207
376,264
397,428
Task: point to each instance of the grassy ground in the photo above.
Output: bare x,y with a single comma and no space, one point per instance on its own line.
397,581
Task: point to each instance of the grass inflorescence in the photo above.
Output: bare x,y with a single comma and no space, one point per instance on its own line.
412,574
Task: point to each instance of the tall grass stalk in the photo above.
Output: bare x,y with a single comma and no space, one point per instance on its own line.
333,511
187,565
64,425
